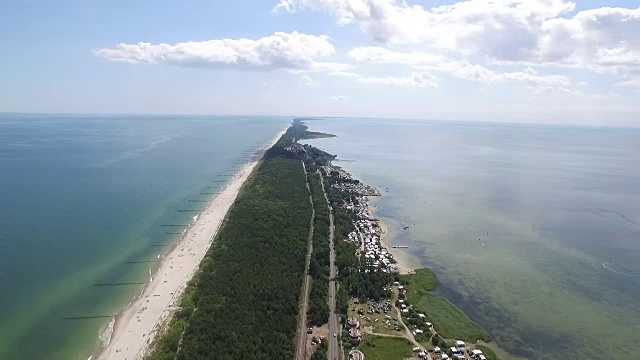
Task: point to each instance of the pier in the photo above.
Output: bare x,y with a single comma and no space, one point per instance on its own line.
119,284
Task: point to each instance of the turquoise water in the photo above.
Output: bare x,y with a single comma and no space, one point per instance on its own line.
533,230
80,196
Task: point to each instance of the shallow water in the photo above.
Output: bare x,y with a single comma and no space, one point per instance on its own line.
81,196
523,224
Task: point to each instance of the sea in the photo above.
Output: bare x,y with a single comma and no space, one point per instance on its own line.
83,201
533,230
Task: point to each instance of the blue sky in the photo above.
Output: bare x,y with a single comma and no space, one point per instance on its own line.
505,60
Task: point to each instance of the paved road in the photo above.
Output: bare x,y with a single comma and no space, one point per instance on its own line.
301,344
334,328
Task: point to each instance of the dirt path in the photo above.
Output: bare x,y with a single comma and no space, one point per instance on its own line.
408,333
369,332
301,344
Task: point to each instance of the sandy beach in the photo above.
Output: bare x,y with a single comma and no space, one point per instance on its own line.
402,267
138,324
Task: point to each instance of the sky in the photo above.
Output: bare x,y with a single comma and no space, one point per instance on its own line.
534,61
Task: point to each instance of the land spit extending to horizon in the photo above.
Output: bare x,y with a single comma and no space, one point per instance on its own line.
137,325
510,217
213,321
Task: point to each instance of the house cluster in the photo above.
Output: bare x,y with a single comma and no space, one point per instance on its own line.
356,355
421,353
356,187
369,246
366,236
296,149
458,352
353,331
421,325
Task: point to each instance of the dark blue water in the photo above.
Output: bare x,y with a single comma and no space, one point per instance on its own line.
534,230
80,196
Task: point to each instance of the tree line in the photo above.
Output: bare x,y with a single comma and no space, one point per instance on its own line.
243,302
319,265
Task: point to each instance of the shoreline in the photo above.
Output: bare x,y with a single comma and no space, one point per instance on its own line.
403,268
138,323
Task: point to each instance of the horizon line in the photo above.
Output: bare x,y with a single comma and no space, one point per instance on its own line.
319,117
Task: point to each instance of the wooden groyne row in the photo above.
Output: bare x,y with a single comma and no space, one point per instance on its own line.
119,284
88,317
211,190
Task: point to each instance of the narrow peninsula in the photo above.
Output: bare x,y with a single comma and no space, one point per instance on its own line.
297,271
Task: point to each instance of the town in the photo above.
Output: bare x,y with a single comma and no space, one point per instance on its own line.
394,316
381,321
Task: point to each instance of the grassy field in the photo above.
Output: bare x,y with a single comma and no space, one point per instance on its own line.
367,320
423,280
382,348
448,320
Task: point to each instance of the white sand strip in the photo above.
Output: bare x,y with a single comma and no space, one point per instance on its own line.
397,253
138,324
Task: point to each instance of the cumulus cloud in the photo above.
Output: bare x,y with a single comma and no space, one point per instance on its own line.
528,77
462,69
337,98
294,52
531,32
415,79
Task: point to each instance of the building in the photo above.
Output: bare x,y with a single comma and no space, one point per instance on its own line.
354,336
356,355
353,322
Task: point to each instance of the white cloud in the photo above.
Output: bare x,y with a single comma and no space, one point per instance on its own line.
294,52
392,21
462,69
634,83
528,76
415,79
344,74
308,80
531,32
337,98
383,55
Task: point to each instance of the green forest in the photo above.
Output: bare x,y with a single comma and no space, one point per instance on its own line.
318,312
243,302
